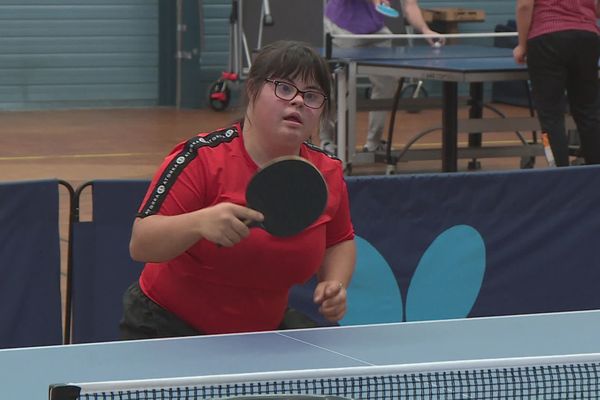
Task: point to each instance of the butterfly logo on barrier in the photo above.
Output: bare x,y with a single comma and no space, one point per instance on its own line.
445,284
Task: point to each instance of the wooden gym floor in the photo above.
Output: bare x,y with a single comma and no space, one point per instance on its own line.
81,145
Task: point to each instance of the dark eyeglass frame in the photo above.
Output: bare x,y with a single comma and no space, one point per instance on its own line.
276,84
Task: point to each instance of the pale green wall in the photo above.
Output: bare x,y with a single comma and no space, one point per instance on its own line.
78,53
96,53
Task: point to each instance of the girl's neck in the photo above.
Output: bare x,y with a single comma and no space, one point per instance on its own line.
260,149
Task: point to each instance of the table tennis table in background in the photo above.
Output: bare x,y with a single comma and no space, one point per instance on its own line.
500,354
451,65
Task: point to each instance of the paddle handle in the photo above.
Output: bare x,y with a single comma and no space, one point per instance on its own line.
250,223
254,224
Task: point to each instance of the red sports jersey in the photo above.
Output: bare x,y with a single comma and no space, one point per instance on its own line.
562,15
244,287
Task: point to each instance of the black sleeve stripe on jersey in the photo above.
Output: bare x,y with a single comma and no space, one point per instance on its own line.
187,154
314,147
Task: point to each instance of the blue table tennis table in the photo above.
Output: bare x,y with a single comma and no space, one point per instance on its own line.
498,342
451,64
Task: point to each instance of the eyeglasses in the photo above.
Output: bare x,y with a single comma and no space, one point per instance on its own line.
287,91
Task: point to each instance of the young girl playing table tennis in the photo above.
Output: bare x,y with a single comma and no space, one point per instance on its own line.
206,272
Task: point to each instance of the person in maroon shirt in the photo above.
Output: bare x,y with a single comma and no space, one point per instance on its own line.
558,39
206,272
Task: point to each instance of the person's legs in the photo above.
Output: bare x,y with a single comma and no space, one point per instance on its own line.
582,92
327,130
548,74
382,87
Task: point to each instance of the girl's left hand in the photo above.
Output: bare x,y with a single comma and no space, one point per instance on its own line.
331,296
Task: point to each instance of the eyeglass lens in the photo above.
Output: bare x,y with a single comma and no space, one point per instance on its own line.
287,91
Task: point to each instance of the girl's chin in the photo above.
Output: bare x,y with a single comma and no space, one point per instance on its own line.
294,134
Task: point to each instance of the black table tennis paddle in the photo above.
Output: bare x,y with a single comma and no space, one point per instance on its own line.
291,194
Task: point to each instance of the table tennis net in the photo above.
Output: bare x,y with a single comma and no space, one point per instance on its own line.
544,381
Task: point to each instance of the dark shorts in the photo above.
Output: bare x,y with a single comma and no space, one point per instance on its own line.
144,319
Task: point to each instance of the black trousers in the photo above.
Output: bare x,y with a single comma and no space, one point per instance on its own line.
144,319
560,61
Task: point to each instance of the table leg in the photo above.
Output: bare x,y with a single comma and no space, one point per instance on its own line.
475,111
342,114
351,86
449,126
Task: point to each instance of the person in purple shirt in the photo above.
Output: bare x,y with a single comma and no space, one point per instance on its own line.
559,42
361,17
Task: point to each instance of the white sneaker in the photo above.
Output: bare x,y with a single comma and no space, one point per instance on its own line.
329,147
370,147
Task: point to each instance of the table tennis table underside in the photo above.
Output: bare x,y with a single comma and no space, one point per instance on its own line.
450,76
